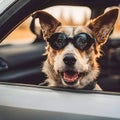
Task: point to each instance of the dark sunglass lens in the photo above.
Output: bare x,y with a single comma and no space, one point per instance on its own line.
57,41
83,41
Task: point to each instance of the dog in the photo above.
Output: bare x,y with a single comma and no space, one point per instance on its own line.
72,51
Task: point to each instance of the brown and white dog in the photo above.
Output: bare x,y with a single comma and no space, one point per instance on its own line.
72,50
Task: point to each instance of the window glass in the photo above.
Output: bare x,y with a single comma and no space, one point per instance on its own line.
21,35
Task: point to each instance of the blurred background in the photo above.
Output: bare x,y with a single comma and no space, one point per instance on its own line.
68,15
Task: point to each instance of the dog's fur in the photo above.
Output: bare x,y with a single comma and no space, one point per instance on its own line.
99,28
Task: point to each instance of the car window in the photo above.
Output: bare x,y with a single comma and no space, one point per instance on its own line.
22,63
21,35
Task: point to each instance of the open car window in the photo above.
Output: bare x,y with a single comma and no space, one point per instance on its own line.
22,52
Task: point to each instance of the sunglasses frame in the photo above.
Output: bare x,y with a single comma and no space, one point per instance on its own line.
81,41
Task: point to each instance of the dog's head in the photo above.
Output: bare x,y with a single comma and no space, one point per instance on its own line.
72,50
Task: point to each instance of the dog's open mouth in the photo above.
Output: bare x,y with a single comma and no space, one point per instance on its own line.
71,77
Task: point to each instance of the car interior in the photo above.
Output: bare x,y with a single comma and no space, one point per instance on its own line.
23,63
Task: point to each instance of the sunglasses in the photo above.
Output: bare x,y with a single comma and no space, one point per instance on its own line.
81,41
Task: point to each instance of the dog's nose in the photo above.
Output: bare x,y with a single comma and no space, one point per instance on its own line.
69,59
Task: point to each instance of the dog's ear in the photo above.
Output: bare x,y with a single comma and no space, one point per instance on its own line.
48,23
103,25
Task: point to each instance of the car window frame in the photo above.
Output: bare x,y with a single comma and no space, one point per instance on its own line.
56,100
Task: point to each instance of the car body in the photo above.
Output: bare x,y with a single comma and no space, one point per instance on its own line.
20,72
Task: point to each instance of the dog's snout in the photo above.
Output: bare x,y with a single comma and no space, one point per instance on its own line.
69,59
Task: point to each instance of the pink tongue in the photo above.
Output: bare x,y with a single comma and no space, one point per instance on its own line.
70,78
